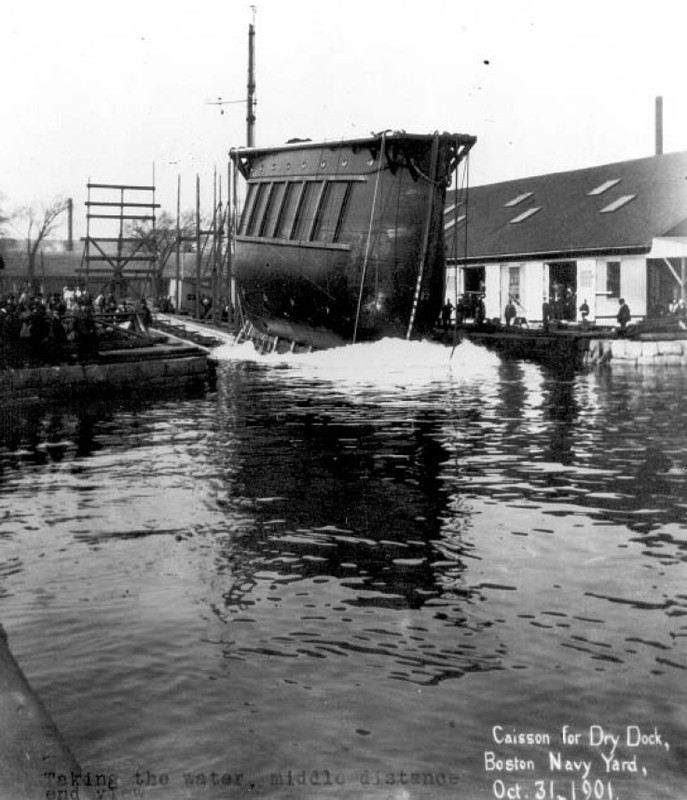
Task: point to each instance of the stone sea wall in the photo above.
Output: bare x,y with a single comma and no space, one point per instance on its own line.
660,353
43,381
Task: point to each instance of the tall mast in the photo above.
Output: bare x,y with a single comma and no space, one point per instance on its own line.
250,101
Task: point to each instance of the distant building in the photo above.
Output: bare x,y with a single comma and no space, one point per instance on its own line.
594,235
57,264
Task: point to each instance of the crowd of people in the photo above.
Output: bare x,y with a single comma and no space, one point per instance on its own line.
468,306
560,306
40,329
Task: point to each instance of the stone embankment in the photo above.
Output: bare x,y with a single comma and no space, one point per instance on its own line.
659,352
151,373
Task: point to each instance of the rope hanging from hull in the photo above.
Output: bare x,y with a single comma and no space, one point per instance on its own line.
425,240
466,194
369,241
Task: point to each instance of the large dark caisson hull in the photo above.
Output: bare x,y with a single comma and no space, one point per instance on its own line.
343,241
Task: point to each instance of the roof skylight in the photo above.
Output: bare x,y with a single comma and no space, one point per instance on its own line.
452,207
525,215
616,204
604,187
517,199
454,221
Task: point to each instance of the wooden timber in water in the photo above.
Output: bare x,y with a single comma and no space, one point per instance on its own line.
35,761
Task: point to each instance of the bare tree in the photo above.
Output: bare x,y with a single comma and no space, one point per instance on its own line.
4,219
161,240
4,216
41,223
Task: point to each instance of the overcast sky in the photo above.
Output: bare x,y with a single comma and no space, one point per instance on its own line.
102,90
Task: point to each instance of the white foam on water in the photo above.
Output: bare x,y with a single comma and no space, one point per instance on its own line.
389,362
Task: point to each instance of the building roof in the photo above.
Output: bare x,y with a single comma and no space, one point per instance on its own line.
614,208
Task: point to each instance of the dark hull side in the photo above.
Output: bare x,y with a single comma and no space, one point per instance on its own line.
343,241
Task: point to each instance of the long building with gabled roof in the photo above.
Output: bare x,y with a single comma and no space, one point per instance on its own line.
594,235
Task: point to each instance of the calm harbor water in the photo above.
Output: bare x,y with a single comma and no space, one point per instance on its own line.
359,574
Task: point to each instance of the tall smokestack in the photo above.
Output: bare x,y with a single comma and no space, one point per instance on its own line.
659,126
70,224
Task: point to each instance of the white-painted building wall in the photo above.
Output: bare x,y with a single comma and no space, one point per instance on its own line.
532,282
586,286
592,284
632,289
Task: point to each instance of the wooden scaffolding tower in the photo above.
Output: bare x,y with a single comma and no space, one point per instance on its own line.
116,254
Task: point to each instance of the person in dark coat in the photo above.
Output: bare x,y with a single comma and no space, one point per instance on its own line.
510,313
480,311
446,311
623,316
145,314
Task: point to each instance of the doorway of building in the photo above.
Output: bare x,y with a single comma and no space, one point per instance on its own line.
563,290
665,279
473,289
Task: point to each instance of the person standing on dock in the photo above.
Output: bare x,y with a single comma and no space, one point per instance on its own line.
510,313
446,311
145,315
480,311
623,316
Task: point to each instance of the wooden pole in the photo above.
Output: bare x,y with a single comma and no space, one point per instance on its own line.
218,248
198,250
230,229
120,249
156,271
234,233
214,247
177,299
88,233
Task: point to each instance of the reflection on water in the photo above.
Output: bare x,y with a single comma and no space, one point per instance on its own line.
361,560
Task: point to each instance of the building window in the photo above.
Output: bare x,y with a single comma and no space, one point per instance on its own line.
613,278
452,207
514,282
454,221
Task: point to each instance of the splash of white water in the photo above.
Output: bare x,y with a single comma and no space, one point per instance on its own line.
394,362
